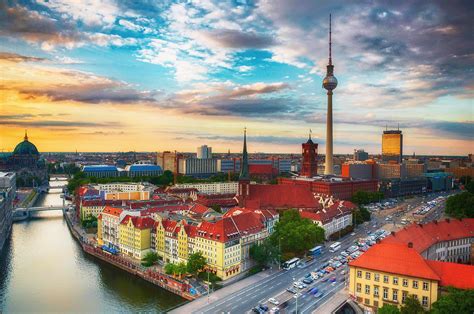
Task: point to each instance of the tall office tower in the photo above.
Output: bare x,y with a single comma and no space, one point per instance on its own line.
360,155
309,167
204,152
329,83
392,145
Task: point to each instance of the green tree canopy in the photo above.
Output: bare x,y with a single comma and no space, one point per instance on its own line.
455,301
196,262
412,306
363,197
388,309
264,253
461,205
296,235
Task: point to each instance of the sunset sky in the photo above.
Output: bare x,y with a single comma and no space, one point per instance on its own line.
110,75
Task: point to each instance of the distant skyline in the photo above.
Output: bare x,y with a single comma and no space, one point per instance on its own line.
121,76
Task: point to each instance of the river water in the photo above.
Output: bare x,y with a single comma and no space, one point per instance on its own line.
43,269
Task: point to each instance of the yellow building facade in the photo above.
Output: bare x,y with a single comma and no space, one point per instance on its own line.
373,289
135,236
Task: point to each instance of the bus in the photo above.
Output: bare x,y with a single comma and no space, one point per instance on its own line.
317,250
335,246
291,263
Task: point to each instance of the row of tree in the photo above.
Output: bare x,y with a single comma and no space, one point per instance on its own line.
455,301
196,263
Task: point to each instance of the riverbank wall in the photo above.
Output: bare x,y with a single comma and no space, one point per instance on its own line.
164,281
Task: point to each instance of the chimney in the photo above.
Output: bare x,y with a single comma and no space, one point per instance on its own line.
448,220
410,245
393,233
377,241
435,222
421,225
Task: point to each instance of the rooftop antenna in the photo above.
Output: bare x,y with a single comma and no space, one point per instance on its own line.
330,42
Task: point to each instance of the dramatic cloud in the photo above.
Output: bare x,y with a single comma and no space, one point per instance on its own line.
228,38
14,57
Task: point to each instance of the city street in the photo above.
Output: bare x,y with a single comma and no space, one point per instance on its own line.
275,286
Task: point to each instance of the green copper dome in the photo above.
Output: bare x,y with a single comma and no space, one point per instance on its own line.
25,148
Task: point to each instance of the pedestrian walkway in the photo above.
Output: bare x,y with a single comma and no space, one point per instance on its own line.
230,289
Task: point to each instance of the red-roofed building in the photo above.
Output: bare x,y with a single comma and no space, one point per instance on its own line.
263,171
445,240
108,227
390,271
222,200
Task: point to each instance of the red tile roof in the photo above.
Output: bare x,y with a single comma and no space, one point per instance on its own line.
456,275
426,235
221,231
396,259
280,196
262,169
112,211
139,222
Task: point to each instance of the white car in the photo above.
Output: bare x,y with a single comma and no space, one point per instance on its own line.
273,301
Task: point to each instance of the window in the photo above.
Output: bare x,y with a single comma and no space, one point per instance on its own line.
359,287
424,301
405,282
404,296
367,301
425,286
367,275
385,279
395,280
367,289
415,284
395,295
359,274
376,291
376,277
385,293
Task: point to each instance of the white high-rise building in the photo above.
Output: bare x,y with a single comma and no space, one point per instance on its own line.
204,152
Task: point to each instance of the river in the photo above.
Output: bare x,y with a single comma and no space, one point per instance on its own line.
43,269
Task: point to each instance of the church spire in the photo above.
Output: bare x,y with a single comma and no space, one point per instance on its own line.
26,135
244,167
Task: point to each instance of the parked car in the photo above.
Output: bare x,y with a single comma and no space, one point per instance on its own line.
333,279
291,290
263,307
275,310
273,301
319,294
308,281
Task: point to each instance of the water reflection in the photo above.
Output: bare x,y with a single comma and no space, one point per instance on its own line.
42,269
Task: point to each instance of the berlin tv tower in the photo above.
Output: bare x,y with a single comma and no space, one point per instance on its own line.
329,83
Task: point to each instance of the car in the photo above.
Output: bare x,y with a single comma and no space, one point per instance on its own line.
256,310
296,284
353,234
275,310
343,279
343,272
319,294
325,279
352,249
273,301
314,291
333,279
308,275
308,281
263,307
291,290
344,253
338,264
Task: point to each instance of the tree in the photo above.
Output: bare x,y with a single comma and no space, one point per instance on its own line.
412,306
296,235
149,259
264,253
196,262
363,197
470,187
170,268
460,205
180,269
388,309
455,301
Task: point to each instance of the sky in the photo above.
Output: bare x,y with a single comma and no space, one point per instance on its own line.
106,75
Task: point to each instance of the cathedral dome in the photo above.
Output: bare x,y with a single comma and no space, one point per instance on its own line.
25,148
